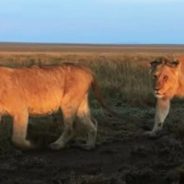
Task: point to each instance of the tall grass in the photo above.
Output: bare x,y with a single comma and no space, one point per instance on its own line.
125,82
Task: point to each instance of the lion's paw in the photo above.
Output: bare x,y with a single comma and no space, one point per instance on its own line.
151,134
56,146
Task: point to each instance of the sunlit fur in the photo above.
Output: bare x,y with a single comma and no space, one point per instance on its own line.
168,82
44,90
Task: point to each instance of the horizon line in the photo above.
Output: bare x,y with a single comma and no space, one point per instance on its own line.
88,44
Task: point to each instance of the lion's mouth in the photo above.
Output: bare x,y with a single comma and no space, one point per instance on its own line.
158,94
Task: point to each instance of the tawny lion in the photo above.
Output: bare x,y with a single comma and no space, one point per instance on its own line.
43,90
168,82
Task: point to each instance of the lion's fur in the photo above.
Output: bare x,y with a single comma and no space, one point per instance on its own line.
168,82
174,85
180,89
43,90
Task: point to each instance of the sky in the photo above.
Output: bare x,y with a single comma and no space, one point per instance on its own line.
92,21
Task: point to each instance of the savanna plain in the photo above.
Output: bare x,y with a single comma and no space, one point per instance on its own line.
123,154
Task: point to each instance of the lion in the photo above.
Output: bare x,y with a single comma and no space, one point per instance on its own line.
168,82
39,91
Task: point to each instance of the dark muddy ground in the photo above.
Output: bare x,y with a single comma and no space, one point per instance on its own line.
122,156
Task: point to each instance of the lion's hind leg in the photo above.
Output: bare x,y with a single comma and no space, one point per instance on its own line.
89,123
69,112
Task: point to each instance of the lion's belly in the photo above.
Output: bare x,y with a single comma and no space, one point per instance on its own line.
43,109
45,104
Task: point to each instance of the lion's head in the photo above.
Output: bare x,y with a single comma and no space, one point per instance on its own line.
165,73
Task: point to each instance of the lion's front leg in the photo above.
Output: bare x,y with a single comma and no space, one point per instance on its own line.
162,110
20,125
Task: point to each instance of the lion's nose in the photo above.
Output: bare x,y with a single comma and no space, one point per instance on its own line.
157,88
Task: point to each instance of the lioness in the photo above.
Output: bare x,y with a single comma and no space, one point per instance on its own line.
168,82
43,90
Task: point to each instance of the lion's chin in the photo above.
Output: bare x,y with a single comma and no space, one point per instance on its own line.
159,96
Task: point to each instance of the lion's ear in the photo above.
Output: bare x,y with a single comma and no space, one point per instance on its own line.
173,63
155,63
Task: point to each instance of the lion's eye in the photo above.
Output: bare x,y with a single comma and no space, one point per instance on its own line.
155,76
165,78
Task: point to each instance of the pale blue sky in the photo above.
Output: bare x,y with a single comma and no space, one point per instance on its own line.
92,21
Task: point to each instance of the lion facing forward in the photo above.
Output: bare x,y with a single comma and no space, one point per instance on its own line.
168,82
43,90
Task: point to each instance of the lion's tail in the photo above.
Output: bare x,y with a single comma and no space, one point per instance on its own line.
99,97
